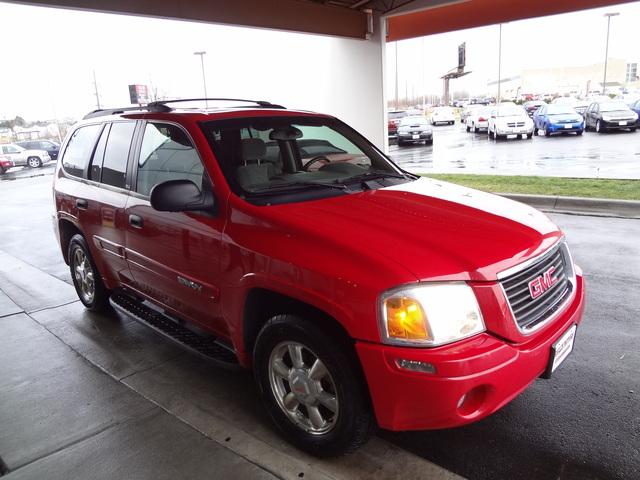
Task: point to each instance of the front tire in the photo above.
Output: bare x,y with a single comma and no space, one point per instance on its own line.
547,133
599,127
34,162
311,387
3,170
86,278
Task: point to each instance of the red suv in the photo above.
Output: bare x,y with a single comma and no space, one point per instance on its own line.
283,241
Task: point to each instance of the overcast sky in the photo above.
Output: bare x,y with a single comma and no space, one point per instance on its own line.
49,56
570,39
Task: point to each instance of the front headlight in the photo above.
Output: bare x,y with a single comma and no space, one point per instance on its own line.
429,314
606,118
403,129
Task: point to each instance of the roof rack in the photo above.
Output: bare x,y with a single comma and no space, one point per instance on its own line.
161,106
259,103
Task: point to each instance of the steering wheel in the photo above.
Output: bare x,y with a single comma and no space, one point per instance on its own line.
319,158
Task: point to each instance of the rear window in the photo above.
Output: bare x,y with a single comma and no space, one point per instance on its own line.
79,150
116,154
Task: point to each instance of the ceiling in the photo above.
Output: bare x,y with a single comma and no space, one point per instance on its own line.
342,18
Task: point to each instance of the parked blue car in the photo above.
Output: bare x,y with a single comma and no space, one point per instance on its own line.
555,118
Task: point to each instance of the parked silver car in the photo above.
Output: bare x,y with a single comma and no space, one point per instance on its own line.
17,156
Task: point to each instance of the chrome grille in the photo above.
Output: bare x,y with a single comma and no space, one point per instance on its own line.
515,124
530,312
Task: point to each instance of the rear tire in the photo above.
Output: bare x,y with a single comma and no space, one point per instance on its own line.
34,162
3,170
86,278
579,132
322,408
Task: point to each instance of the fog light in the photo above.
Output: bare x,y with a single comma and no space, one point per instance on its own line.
415,366
473,401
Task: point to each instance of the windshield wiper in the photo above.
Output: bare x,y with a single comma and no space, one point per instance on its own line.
372,176
294,187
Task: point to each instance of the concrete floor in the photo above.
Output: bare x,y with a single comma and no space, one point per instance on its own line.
592,155
92,396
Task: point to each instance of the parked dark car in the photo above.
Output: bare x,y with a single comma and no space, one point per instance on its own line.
48,146
605,116
532,106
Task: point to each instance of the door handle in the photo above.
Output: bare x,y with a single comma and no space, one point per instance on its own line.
82,204
136,221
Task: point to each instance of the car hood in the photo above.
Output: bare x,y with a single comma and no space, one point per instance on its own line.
618,114
434,229
513,118
569,117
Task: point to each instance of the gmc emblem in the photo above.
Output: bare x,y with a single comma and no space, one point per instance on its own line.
542,283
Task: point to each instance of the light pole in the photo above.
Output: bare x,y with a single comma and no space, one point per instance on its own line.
606,52
204,80
499,63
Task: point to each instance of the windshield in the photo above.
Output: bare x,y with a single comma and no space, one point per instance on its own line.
510,111
560,110
415,120
396,115
613,107
284,159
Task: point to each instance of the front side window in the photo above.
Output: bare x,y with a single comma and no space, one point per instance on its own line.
79,149
285,159
167,154
116,154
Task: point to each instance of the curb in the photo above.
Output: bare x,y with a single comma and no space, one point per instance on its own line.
600,207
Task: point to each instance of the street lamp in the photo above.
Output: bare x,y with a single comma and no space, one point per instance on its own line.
606,53
204,80
499,63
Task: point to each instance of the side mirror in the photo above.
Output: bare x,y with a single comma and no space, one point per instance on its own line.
180,196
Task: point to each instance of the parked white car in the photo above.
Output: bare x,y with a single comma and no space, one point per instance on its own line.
19,156
444,115
509,121
478,119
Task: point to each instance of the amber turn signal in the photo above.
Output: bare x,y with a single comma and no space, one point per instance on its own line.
405,319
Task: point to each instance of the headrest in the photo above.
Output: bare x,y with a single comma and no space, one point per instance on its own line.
253,149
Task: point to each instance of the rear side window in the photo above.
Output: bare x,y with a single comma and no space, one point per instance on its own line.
167,154
79,149
95,172
116,154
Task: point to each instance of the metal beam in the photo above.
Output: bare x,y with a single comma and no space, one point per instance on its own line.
291,15
476,13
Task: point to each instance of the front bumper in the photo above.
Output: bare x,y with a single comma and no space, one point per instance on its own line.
411,137
615,125
473,378
566,127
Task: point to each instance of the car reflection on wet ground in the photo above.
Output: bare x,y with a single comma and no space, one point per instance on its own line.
591,155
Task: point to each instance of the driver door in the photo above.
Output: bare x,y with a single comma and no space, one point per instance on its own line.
174,257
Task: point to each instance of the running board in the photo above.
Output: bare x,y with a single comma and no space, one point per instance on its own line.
206,346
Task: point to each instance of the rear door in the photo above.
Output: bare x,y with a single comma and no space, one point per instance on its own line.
102,197
174,257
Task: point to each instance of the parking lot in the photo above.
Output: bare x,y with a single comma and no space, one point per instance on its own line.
591,155
130,400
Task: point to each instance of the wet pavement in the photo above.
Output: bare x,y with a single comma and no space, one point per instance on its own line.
592,155
100,396
84,395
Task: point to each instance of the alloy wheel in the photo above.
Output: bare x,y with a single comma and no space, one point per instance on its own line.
303,387
84,276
